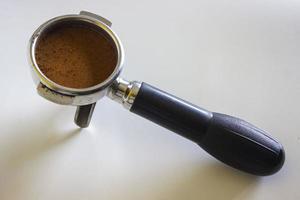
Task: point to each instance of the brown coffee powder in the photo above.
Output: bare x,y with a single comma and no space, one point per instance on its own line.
76,56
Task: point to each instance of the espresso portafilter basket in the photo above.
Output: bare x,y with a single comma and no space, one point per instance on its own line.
229,139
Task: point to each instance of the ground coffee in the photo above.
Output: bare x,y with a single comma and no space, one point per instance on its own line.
76,56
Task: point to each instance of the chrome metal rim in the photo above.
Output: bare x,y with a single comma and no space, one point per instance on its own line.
67,90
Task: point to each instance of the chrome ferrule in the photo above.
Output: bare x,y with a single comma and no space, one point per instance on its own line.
124,92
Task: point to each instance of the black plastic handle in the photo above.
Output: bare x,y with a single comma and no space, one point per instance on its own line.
229,139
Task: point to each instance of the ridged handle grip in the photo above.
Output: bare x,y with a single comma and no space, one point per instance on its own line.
229,139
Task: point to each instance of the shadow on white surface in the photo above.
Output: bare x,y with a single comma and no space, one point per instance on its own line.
210,181
24,176
158,169
33,139
25,143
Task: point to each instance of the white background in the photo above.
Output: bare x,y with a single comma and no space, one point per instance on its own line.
236,57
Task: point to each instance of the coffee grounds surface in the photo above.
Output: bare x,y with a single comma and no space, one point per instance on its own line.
75,56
